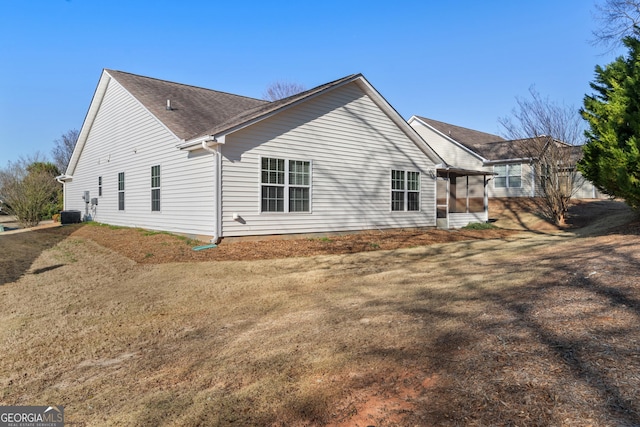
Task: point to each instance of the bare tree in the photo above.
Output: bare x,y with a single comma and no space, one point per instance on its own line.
63,149
279,90
29,189
618,19
550,135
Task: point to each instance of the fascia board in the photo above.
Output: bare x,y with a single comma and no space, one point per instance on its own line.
503,161
94,106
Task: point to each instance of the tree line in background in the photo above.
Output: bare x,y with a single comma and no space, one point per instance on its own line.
28,187
549,133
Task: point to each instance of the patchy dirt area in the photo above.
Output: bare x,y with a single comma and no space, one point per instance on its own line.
510,217
147,247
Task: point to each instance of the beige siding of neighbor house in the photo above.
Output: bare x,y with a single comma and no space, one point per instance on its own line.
125,137
451,152
352,146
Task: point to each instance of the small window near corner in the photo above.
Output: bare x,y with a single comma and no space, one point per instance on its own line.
99,186
155,188
121,191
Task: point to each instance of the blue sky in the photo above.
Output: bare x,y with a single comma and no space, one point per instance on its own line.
458,61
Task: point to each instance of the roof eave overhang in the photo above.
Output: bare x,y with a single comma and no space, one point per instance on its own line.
466,172
63,178
514,160
196,143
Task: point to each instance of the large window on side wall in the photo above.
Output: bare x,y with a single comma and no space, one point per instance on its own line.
405,190
285,185
508,175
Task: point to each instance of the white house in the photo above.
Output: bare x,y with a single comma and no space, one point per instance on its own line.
168,156
514,169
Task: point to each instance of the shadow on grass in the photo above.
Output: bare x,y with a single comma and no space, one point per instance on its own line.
19,251
560,349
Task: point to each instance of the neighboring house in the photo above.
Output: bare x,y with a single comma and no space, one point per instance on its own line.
514,167
167,156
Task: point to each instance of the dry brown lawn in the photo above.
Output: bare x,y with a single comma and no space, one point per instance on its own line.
541,327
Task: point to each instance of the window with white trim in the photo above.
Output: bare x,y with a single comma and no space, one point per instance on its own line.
155,188
121,191
508,176
285,185
405,190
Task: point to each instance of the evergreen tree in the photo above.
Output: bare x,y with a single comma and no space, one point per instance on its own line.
612,155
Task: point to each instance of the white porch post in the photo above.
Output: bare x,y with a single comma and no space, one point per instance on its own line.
486,196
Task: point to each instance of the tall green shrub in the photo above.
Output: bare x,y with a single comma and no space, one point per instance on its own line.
611,158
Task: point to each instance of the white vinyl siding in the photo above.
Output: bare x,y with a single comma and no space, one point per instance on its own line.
125,137
350,142
352,145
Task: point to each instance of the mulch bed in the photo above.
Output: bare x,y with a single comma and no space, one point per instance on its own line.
148,247
156,248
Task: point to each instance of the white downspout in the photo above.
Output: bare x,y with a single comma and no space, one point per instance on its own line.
217,156
64,192
486,195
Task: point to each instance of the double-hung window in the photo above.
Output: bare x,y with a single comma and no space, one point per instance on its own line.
155,188
99,186
405,190
121,191
285,185
508,176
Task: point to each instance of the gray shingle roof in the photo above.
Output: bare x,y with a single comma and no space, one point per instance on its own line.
487,145
503,150
470,138
193,109
197,111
